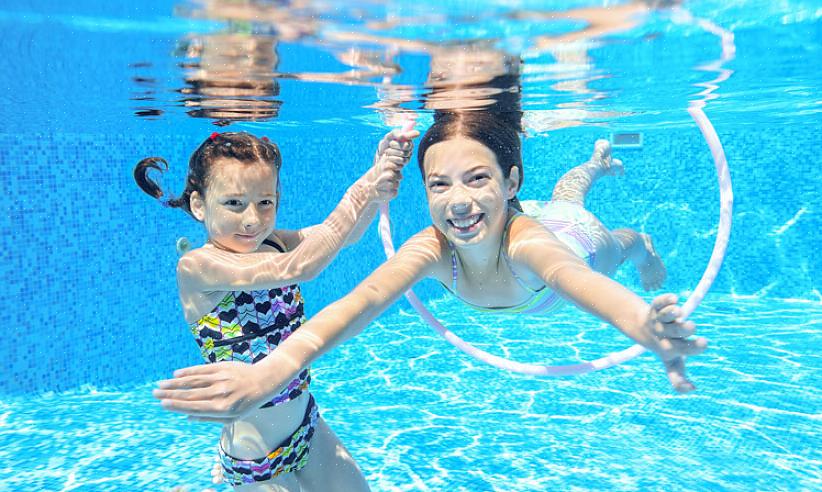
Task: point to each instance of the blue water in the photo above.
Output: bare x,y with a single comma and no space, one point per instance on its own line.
419,416
92,315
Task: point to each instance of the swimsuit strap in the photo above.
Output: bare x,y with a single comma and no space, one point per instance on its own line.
274,245
453,267
508,260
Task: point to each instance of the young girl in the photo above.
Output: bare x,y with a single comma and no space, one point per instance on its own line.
241,297
487,252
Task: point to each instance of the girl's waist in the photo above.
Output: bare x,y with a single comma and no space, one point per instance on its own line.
264,429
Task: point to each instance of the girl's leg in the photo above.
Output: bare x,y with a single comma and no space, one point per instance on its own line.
330,467
612,247
574,185
639,249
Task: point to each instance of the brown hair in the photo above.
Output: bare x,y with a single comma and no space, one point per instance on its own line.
241,146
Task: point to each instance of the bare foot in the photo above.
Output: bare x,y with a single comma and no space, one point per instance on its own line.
602,158
652,271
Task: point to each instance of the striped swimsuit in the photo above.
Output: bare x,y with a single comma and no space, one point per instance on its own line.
572,233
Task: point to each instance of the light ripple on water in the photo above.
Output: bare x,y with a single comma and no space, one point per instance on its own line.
420,416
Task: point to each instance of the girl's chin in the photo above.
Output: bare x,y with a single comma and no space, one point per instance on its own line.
236,246
465,238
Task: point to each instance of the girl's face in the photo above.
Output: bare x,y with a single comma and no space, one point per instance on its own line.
467,193
240,206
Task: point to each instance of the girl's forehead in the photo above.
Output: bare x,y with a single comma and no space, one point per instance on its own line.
458,155
234,175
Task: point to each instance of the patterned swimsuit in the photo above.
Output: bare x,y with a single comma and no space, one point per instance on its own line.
246,326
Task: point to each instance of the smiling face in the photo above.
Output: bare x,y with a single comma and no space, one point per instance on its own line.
240,204
467,192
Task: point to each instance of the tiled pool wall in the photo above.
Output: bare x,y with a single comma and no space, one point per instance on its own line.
88,260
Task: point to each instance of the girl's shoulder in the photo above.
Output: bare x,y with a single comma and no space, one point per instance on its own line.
192,264
196,262
526,233
431,245
522,226
431,239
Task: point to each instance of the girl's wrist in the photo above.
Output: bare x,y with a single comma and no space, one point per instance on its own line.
363,189
640,330
273,373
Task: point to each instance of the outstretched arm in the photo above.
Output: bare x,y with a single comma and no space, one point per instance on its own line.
213,269
227,390
657,327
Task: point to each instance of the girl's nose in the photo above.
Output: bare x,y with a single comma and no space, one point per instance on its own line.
250,218
460,208
460,202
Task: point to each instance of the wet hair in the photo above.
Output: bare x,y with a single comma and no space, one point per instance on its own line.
241,146
496,124
498,131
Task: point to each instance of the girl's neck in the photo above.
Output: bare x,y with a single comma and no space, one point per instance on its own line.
485,257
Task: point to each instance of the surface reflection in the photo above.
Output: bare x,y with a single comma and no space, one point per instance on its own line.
228,77
234,74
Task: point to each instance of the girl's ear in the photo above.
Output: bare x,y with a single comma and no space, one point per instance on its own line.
197,204
512,183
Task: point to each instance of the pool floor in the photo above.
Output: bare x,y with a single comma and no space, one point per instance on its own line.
417,415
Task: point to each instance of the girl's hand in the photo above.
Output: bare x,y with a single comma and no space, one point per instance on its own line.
220,392
669,335
393,153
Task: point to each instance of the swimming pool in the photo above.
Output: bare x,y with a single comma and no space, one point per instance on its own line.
90,88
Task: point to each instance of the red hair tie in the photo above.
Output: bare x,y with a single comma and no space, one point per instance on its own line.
214,136
265,139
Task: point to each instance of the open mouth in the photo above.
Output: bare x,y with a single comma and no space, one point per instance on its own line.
468,224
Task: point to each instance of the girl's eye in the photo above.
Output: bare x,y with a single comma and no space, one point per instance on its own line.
436,185
233,203
479,177
267,203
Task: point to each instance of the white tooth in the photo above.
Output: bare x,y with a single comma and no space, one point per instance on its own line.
466,222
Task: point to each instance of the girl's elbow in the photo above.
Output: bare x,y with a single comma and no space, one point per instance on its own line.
308,274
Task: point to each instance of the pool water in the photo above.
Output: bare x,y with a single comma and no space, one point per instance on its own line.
419,416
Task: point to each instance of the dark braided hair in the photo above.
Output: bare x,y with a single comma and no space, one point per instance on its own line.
241,146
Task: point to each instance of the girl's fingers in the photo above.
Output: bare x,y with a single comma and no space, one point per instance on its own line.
688,347
183,394
677,330
409,135
669,313
394,152
186,382
664,300
675,369
197,370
